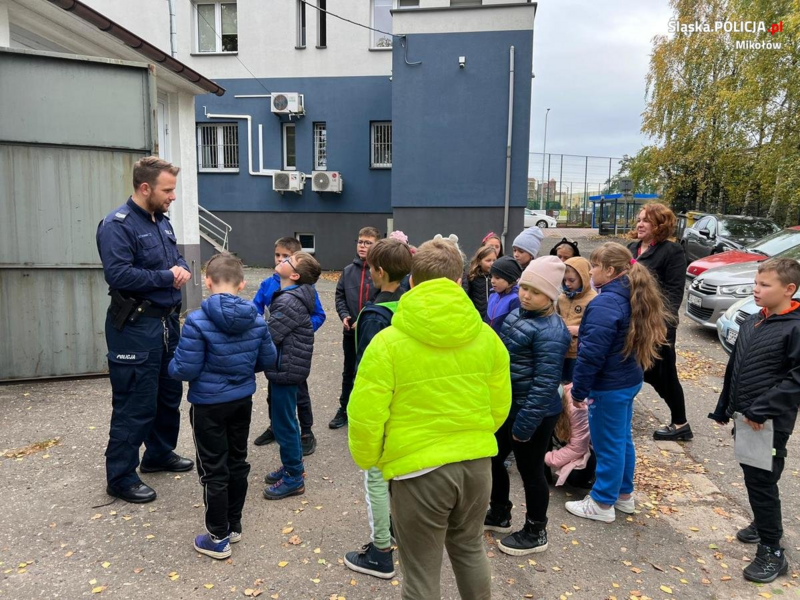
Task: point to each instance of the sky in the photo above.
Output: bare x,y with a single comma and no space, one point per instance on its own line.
590,60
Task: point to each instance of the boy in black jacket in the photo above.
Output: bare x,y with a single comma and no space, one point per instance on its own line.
762,382
291,330
353,291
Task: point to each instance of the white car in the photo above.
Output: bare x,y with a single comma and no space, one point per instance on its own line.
539,218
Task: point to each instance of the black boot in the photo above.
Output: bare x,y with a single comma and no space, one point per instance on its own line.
339,420
532,538
749,535
308,443
498,518
767,565
672,433
265,438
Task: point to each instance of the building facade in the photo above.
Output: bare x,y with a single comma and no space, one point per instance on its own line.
412,120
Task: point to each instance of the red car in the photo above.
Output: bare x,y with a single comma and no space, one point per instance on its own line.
763,248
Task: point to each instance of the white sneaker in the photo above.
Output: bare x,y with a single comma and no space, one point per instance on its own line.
235,537
589,509
627,506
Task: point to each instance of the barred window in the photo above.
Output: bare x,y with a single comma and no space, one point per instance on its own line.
320,146
381,144
218,147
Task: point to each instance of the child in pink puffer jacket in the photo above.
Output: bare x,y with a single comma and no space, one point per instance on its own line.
573,456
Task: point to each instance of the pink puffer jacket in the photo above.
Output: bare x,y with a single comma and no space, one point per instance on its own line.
575,455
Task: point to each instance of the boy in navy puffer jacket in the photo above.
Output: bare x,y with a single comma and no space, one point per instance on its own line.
537,340
291,329
222,346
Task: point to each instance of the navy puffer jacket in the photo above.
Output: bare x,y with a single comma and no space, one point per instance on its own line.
291,329
601,338
537,345
222,346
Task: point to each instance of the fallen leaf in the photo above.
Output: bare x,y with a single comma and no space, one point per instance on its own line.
713,547
149,536
694,529
286,530
92,581
105,565
395,582
678,569
317,550
322,561
725,578
68,554
684,581
208,586
127,517
665,589
99,589
353,582
97,516
556,568
295,540
138,570
636,570
282,564
765,595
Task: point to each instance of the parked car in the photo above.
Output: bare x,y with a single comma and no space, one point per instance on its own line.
728,324
713,234
713,292
768,246
539,218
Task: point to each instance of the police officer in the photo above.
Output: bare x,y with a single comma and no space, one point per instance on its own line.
145,273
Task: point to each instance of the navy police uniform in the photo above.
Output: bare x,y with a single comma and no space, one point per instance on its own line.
142,332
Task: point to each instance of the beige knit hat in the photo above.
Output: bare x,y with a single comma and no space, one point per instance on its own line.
546,274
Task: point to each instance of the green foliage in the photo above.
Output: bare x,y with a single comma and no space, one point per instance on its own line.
724,120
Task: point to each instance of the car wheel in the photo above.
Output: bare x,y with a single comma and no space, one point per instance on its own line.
542,224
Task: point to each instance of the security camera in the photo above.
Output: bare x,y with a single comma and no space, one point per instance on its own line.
462,62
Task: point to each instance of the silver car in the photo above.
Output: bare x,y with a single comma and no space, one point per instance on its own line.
728,324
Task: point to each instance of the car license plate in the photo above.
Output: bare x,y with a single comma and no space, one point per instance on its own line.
694,300
731,336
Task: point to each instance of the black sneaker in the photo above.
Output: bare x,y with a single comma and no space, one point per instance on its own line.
371,561
672,433
768,564
265,438
340,420
532,538
498,519
749,535
308,443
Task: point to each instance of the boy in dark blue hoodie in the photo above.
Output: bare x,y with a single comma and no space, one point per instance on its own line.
284,248
222,346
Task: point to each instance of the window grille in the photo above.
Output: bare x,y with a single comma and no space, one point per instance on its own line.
320,146
218,147
381,145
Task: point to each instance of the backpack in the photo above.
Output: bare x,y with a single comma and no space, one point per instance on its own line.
385,311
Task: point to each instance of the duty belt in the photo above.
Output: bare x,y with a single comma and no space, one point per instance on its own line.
129,310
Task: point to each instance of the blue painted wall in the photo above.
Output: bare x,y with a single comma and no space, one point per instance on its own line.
346,104
450,125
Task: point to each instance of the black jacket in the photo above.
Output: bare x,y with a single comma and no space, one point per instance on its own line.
374,318
667,262
762,380
290,326
478,291
354,290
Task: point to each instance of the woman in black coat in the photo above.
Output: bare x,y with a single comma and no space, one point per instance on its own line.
666,260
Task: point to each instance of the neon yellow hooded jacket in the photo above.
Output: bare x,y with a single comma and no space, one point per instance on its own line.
432,388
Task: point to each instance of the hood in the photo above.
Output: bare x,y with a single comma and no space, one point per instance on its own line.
731,274
724,258
438,313
619,286
305,293
582,266
358,262
230,314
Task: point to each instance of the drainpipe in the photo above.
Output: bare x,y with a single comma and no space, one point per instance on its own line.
172,33
262,172
508,145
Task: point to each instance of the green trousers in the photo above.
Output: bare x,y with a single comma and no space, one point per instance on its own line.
377,497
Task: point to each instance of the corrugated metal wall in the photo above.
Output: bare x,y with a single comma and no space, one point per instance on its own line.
53,192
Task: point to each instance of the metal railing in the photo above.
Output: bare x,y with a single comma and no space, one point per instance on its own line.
214,227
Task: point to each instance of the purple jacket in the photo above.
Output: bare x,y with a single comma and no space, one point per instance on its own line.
500,305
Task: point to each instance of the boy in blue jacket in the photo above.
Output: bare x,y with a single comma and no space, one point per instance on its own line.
222,346
290,325
284,248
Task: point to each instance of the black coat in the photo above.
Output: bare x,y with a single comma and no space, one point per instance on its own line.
762,380
667,262
293,335
354,290
478,291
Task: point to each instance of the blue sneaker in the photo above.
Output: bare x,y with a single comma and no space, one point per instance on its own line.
274,476
210,546
288,486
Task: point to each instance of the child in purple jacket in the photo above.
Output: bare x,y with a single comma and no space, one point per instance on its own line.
505,273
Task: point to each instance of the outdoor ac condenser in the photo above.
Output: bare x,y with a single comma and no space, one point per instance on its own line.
288,181
287,103
326,181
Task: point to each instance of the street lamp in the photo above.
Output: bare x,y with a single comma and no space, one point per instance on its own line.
544,150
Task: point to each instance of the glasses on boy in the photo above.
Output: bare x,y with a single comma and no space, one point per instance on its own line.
288,260
366,243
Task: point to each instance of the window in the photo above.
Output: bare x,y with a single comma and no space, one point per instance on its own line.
381,19
381,145
320,146
218,148
466,2
322,24
307,242
407,3
289,147
301,24
217,28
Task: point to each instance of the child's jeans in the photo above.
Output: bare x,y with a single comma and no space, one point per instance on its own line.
304,413
378,508
286,429
762,490
220,436
610,416
443,509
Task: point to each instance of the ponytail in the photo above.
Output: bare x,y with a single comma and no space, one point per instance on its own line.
648,325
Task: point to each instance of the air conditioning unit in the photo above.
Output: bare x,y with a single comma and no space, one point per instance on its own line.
326,181
287,103
288,181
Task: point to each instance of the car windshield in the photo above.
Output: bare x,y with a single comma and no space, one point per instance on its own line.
790,253
777,242
745,228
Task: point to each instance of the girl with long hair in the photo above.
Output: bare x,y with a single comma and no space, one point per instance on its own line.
477,281
620,335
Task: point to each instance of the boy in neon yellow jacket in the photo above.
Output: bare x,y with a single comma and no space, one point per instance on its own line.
430,392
